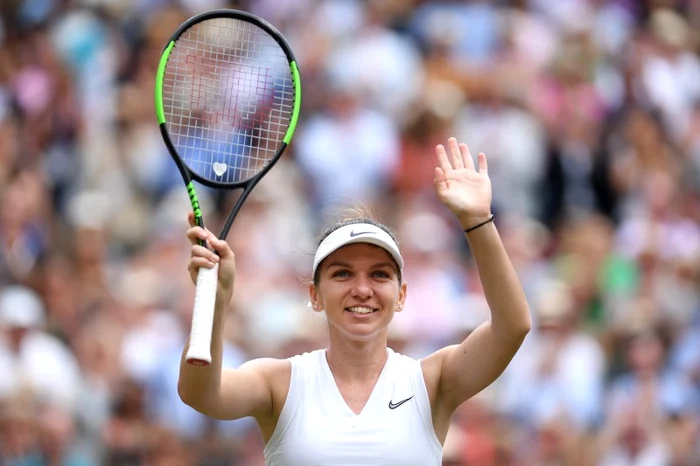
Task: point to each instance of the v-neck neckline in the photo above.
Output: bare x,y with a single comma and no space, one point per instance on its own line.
338,396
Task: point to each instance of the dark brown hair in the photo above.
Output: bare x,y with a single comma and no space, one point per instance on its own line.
352,216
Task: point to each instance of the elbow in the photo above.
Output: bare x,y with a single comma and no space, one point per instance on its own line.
519,328
526,324
189,396
190,400
512,332
518,334
184,394
523,332
195,399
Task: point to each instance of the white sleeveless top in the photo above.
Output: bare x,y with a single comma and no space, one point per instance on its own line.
317,428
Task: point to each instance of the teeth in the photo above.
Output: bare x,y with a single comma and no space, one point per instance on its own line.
361,310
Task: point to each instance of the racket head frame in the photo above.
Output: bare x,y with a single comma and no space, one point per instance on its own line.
189,175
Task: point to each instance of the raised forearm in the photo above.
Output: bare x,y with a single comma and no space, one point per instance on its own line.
510,314
199,385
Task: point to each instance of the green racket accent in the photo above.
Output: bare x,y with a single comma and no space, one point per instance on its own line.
297,103
160,112
194,200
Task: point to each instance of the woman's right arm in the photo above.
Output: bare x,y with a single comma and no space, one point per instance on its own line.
230,393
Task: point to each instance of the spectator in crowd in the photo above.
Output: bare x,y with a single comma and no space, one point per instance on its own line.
32,360
558,376
588,109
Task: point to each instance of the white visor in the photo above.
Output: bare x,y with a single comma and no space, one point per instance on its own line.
357,233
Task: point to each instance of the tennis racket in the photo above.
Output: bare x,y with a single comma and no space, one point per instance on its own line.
227,97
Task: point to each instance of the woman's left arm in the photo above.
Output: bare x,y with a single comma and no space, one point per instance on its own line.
471,366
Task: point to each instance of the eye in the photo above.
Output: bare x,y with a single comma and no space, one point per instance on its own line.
381,274
341,274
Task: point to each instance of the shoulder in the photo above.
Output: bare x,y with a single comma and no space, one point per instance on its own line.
279,372
273,373
432,364
272,366
403,362
277,376
429,367
305,363
267,366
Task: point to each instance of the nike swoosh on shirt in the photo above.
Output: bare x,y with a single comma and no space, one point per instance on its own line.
353,234
396,405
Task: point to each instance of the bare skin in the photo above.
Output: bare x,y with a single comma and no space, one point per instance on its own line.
364,275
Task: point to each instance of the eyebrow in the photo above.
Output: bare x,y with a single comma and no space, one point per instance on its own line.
376,266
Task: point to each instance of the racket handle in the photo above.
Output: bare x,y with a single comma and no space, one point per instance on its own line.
199,351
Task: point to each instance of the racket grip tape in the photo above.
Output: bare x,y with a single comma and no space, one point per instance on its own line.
199,351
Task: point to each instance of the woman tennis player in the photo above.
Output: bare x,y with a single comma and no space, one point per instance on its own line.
358,402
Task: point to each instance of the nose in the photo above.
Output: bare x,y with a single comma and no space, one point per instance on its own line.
362,287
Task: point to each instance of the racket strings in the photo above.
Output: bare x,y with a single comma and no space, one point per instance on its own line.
228,96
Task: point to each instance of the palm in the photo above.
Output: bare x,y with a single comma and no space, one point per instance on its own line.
464,190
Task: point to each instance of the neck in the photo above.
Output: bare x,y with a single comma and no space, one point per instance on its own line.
356,360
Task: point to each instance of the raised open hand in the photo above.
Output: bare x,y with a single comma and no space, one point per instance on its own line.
464,190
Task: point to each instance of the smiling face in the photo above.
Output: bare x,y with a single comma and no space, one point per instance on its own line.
359,289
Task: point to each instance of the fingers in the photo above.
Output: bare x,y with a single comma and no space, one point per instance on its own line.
198,235
457,161
221,247
190,218
466,156
204,238
483,164
440,180
439,176
196,263
459,157
201,257
443,161
202,252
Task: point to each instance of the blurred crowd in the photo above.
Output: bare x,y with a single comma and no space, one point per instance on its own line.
589,112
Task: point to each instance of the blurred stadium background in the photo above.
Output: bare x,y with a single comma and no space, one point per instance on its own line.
587,109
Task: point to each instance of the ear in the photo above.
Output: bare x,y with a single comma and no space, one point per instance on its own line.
403,291
314,298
